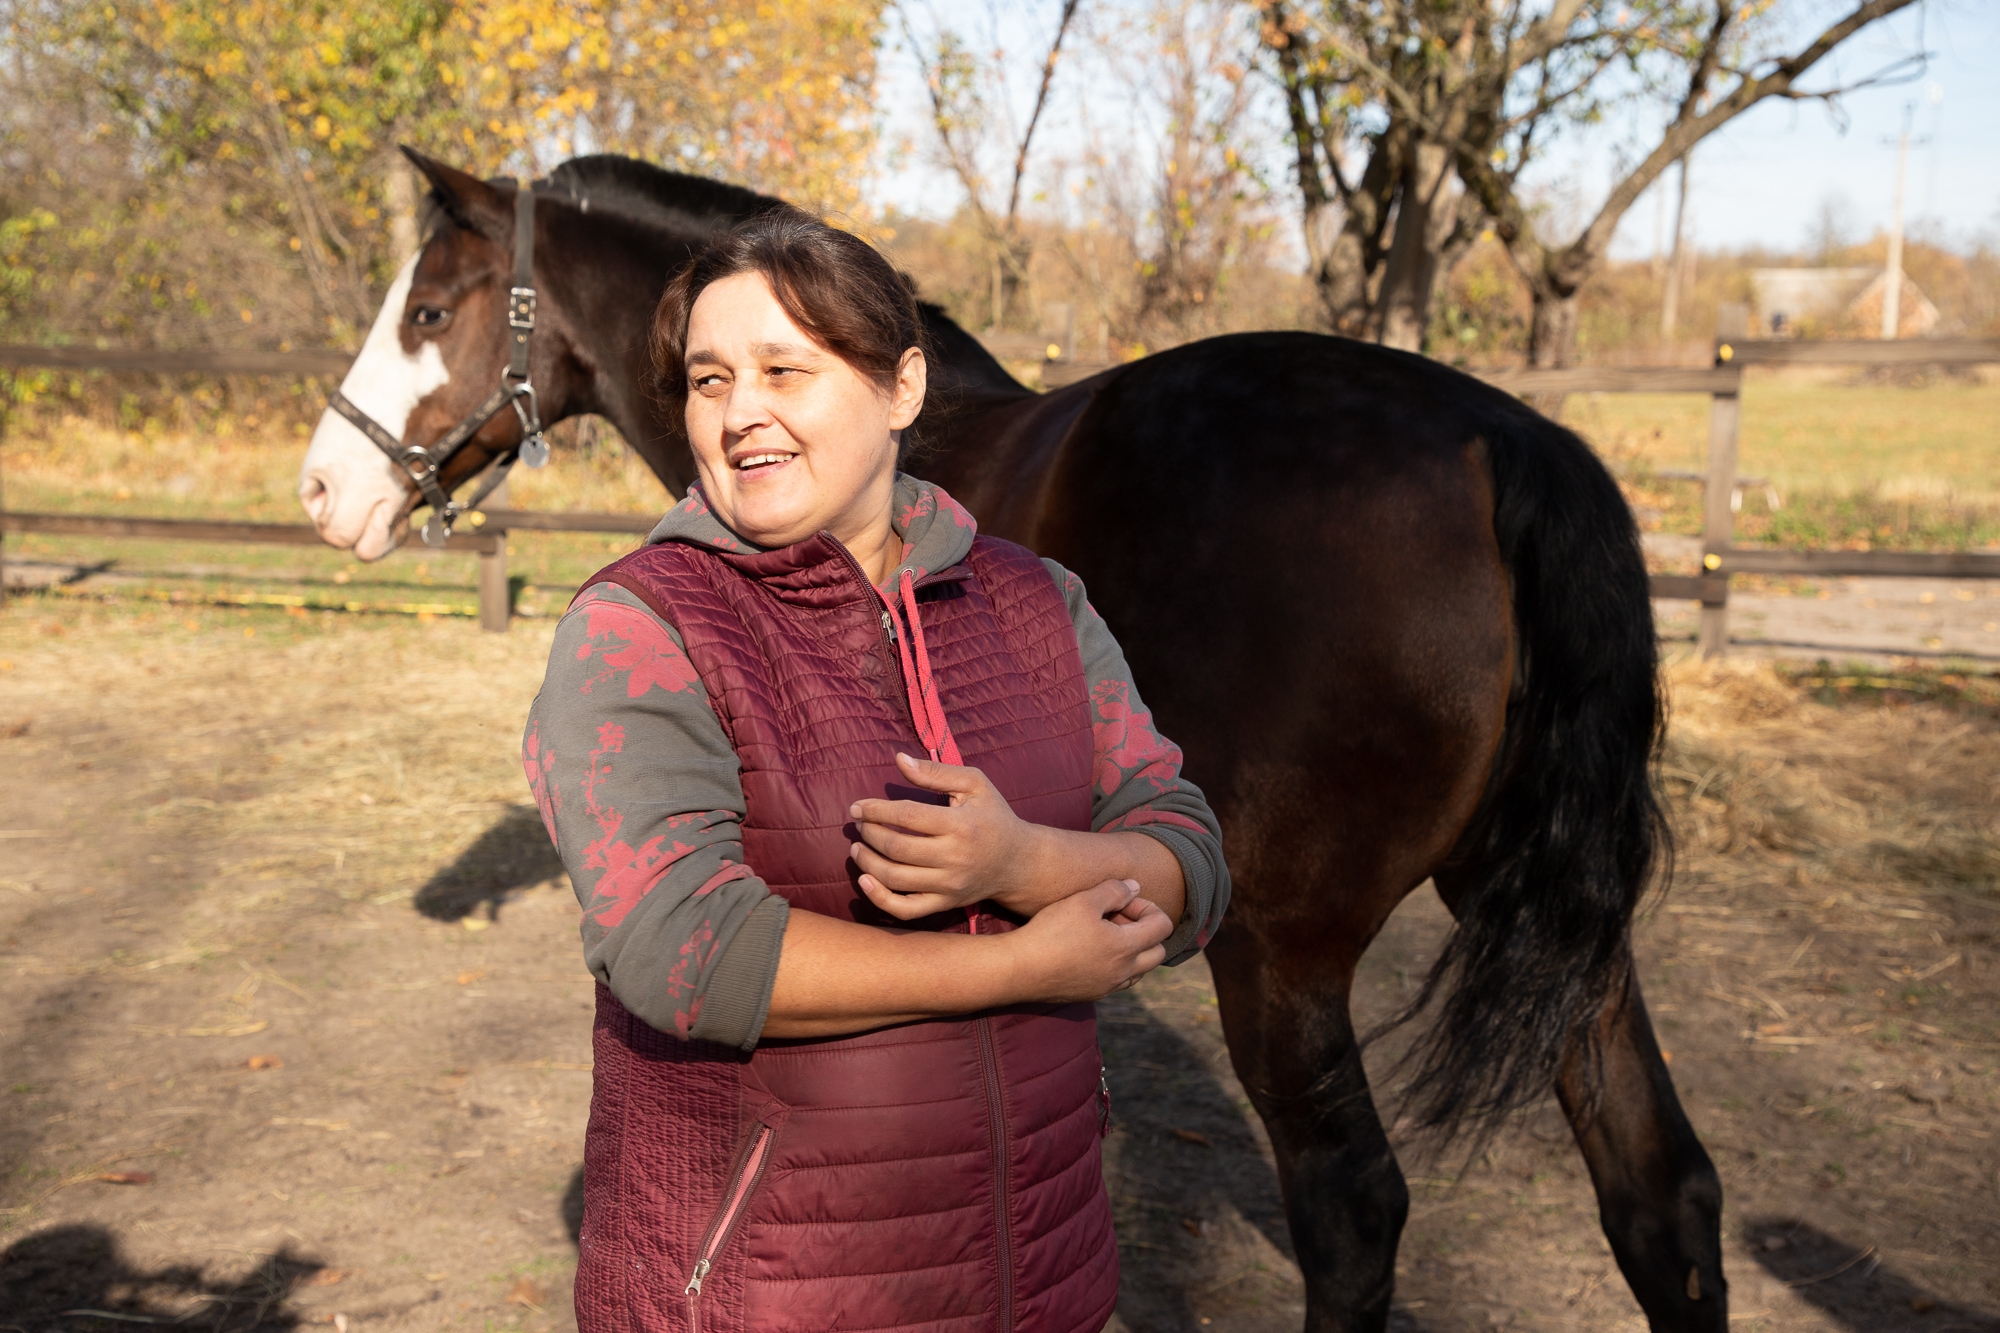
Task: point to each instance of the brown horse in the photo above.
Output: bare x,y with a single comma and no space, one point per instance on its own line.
1398,621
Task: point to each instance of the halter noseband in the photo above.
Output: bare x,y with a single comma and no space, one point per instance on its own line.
423,464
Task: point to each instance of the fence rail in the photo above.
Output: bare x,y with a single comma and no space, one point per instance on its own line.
1722,382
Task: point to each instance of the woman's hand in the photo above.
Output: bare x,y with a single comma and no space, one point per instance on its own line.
918,859
1091,943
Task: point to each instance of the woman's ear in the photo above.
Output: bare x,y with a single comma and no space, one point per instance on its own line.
912,380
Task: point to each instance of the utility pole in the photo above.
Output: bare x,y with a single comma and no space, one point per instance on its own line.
1670,306
1892,272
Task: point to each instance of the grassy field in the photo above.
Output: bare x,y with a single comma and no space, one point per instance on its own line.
1855,466
1890,466
77,466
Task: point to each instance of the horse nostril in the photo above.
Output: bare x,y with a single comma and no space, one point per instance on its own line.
317,497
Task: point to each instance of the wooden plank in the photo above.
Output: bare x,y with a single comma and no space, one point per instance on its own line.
1062,374
1708,589
1862,564
193,530
1718,524
1858,351
1017,346
202,361
1615,379
531,520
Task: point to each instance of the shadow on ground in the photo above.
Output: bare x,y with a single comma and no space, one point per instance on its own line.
67,1279
1201,1224
1851,1285
513,854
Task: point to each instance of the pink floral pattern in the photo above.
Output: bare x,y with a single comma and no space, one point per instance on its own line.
630,873
1128,747
539,763
649,656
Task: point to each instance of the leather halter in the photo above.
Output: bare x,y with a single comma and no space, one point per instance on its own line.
424,464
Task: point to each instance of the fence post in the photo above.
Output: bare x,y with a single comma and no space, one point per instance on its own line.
494,611
1718,527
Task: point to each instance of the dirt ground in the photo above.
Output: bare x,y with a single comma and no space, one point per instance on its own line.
295,1031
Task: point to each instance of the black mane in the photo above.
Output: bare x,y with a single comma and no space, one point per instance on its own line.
654,196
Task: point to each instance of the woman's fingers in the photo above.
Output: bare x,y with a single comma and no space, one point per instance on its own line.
908,849
957,779
904,906
899,877
916,816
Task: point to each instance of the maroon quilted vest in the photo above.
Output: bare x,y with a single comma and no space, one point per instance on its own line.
927,1177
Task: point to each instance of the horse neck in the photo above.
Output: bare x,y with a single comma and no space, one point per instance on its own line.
608,277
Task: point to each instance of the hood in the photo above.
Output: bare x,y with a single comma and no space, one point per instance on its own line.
936,529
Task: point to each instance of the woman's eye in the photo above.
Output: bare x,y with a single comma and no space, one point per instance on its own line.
429,317
703,383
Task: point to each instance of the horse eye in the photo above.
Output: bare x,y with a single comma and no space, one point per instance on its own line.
429,316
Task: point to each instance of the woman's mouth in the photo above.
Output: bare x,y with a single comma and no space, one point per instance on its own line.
761,462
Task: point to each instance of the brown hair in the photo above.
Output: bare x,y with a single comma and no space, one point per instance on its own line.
832,284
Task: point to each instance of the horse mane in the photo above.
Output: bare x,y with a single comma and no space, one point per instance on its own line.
694,207
654,196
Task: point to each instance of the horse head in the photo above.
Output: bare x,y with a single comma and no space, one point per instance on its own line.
438,350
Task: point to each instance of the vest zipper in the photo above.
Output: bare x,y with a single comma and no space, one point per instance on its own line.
734,1196
1003,1212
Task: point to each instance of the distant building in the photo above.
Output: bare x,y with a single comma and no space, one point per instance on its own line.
1787,302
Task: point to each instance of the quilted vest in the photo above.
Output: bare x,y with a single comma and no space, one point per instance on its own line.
927,1177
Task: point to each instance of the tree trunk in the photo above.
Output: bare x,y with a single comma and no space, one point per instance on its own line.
1551,341
1552,330
1424,220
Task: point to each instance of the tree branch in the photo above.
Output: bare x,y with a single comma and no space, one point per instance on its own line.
1041,99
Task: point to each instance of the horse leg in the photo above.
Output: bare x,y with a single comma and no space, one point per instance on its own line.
1658,1196
1292,1042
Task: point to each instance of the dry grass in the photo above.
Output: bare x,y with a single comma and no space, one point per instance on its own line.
1868,782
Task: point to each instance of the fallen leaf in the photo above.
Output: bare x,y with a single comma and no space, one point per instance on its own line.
1193,1227
1666,1057
1195,1137
126,1177
474,923
526,1293
266,1062
467,978
436,1277
326,1277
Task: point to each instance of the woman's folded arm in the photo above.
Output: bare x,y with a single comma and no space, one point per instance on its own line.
639,789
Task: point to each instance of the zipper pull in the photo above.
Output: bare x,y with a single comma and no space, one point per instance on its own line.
693,1287
888,625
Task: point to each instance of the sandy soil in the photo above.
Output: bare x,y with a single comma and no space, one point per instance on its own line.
279,933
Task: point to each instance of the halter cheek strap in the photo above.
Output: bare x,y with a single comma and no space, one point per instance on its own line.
424,464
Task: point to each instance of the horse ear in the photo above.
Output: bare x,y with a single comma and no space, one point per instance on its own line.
467,200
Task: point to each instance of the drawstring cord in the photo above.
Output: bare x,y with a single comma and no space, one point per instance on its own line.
925,708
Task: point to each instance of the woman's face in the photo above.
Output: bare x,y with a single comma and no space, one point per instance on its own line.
790,439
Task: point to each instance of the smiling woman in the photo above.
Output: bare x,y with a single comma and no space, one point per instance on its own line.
846,1060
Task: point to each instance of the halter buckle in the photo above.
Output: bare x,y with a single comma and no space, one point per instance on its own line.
521,308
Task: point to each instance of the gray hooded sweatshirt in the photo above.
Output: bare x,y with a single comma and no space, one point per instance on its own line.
639,789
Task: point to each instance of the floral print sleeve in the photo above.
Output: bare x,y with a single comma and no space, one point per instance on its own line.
639,790
1138,785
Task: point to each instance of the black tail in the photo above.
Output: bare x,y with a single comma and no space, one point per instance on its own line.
1545,881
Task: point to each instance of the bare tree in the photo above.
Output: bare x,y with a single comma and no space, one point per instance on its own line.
1486,85
961,87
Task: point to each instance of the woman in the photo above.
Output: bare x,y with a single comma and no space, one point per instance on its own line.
846,1065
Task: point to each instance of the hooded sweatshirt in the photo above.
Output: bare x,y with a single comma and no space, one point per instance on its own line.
640,791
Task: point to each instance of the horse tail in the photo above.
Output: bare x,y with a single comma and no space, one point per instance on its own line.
1545,879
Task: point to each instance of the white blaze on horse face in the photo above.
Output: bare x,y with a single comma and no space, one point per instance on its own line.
349,488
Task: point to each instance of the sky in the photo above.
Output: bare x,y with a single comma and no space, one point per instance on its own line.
1763,181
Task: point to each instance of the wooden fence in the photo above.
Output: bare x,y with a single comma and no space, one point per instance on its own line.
1722,382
